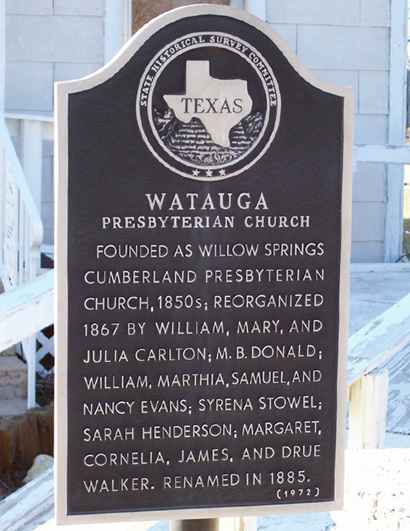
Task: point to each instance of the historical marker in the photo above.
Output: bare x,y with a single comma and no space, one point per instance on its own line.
203,250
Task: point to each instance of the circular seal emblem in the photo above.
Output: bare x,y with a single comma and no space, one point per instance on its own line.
208,106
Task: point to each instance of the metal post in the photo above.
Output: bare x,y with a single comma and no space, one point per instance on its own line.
207,524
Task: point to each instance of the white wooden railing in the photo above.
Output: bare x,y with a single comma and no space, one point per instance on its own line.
21,235
21,227
26,310
369,348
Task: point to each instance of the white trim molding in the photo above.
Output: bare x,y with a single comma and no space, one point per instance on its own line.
117,26
256,8
398,71
385,153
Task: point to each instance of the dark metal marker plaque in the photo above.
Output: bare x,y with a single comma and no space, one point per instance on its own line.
202,250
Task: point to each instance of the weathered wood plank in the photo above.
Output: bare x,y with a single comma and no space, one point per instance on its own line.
368,409
26,309
398,409
374,288
33,503
379,340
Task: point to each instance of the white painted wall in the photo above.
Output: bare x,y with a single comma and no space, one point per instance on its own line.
359,43
48,41
347,43
55,40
